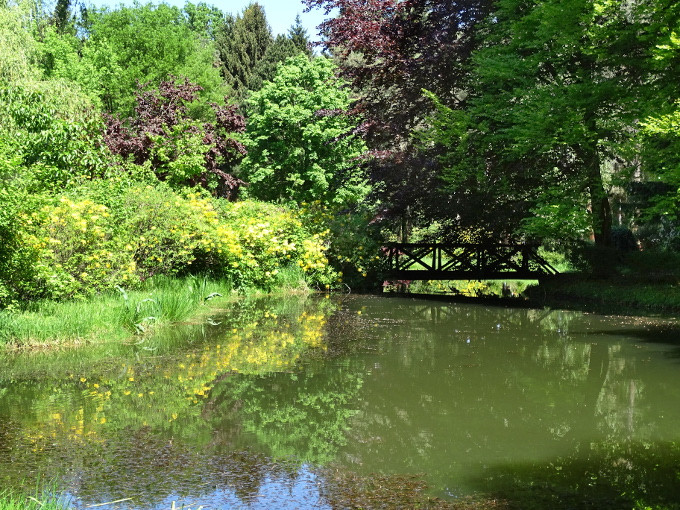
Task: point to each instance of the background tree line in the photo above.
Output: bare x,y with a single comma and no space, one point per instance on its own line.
546,119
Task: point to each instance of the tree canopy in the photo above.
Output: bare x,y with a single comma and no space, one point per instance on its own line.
532,113
300,139
389,51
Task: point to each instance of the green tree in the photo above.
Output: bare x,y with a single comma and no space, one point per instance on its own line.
147,44
298,36
55,138
204,19
18,48
300,140
277,53
63,57
62,17
281,48
660,134
556,90
242,42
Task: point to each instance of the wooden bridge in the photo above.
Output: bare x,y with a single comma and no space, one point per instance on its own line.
460,261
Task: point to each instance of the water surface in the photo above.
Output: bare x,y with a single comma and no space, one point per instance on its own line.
267,404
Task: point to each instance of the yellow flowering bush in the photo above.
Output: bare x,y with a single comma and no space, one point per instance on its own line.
163,229
17,259
77,250
103,235
255,240
352,240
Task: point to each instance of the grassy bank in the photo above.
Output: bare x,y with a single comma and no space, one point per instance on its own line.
640,282
47,501
617,294
113,316
41,500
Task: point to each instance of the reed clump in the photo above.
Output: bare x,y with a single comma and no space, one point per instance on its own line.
111,316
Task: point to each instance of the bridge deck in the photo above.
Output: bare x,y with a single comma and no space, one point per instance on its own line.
461,261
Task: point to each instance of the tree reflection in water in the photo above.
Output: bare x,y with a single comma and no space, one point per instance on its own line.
245,408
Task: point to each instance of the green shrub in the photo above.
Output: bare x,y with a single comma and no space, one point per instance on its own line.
17,260
78,249
119,232
162,229
653,262
623,239
590,258
56,143
253,241
353,242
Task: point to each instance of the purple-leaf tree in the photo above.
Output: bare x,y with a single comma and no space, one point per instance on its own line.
179,149
390,51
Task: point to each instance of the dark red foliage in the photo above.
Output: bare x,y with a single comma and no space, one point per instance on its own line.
156,113
399,48
405,46
224,148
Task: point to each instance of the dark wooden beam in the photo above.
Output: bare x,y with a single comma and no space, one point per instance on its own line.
466,261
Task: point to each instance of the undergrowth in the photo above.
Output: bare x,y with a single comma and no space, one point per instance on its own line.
110,316
40,500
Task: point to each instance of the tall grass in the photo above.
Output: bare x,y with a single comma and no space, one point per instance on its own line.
291,277
112,316
49,501
169,300
44,500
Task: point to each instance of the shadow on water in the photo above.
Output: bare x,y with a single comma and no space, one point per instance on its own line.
602,476
649,332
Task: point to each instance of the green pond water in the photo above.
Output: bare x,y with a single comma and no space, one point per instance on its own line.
299,402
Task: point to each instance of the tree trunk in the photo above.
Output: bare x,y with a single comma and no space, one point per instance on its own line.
602,212
405,226
599,201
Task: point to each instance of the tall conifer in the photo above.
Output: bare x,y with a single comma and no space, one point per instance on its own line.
242,42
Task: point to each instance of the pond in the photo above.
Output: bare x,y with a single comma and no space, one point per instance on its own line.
337,402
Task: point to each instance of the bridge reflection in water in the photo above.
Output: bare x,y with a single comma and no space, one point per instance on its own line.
461,261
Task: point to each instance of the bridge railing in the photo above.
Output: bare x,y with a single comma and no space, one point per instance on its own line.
436,261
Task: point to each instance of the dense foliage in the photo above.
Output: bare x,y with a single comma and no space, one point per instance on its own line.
106,234
542,114
300,140
117,148
127,46
179,150
390,51
552,103
128,135
249,53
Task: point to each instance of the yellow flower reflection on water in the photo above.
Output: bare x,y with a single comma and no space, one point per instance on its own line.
171,388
